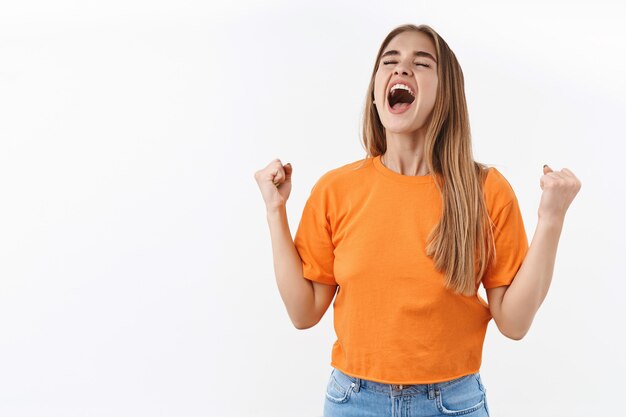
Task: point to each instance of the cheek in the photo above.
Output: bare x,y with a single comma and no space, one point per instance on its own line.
377,86
379,81
433,86
379,95
430,92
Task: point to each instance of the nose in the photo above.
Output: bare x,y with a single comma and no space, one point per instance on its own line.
402,66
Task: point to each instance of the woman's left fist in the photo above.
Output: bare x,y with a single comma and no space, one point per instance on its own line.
559,189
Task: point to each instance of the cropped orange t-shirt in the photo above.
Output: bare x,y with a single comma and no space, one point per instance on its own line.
364,228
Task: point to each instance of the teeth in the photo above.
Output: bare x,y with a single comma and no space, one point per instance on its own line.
402,86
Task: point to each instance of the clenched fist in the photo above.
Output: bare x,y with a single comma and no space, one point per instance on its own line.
275,183
559,189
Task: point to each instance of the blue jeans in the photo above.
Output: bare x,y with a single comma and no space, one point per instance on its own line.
347,396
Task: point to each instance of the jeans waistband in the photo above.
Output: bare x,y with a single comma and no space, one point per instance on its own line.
359,383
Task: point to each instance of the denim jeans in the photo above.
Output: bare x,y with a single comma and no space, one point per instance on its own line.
347,396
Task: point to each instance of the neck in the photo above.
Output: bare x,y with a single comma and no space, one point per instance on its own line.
407,163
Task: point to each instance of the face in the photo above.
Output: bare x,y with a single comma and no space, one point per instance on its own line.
418,72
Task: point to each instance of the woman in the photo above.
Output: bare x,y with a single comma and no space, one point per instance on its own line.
407,235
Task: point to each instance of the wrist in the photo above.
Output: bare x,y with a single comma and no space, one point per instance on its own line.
551,221
276,209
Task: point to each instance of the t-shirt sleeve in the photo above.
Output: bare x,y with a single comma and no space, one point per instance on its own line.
510,239
313,240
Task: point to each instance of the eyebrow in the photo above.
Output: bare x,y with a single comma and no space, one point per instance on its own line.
415,53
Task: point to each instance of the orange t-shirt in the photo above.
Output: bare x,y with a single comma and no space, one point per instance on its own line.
364,228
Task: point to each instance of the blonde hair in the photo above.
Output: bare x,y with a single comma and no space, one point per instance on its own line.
461,244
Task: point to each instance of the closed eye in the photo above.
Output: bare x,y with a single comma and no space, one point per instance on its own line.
395,62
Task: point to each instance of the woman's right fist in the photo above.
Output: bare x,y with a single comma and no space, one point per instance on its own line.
275,183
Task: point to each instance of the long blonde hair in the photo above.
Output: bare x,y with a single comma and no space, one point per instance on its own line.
462,242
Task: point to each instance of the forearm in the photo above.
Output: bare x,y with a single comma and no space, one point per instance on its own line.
296,291
530,286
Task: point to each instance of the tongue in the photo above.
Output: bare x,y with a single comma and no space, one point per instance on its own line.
401,106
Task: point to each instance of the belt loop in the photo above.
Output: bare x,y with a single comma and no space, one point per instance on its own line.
357,384
431,391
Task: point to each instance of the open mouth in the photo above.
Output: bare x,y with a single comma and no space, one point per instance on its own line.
399,100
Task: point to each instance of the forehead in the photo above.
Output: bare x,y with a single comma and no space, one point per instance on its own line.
407,42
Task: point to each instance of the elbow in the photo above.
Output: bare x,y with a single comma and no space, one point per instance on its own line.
514,335
301,327
514,330
511,332
304,326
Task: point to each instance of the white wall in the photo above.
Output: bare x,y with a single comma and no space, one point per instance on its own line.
135,260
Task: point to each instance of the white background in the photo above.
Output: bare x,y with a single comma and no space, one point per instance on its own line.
135,258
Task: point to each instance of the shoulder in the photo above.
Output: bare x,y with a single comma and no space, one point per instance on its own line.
497,190
495,180
342,178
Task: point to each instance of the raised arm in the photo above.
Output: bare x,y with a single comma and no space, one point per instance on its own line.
522,299
298,293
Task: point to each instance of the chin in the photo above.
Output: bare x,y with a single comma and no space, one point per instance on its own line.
401,127
398,131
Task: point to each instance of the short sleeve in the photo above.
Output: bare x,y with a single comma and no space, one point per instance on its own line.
313,241
511,243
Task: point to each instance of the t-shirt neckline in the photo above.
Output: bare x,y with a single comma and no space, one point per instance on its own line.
410,179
